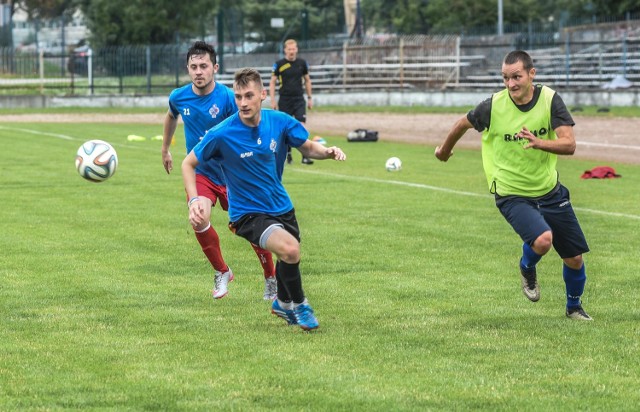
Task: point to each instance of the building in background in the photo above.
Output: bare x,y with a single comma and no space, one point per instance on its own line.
53,36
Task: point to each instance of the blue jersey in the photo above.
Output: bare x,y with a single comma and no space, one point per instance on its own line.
250,162
199,114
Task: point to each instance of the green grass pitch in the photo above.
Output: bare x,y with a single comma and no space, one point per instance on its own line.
106,305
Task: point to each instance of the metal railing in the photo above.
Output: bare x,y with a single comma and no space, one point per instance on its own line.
382,62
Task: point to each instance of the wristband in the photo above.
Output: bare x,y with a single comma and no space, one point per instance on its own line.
193,199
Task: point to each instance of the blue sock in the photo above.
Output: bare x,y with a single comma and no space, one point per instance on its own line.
574,281
529,257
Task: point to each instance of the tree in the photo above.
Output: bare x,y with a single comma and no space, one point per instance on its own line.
6,34
129,22
324,17
47,9
462,16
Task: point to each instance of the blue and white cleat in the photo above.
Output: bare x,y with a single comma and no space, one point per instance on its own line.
286,314
305,317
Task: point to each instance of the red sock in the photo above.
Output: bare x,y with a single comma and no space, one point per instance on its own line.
266,260
210,243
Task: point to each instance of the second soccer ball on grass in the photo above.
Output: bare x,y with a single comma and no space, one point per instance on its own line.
393,164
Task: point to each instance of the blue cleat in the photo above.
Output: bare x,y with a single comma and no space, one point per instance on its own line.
286,314
305,317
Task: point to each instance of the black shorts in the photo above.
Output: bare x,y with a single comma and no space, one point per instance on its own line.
296,106
531,217
257,228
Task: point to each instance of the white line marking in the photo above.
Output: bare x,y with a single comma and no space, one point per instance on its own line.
67,137
452,191
370,179
615,146
59,136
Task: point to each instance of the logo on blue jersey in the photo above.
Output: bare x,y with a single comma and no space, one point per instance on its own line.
214,110
273,145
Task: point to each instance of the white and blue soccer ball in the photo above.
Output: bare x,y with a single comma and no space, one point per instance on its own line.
96,160
393,164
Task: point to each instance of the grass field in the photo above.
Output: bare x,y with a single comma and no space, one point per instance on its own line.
106,303
614,111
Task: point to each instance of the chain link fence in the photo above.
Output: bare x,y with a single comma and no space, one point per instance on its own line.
579,57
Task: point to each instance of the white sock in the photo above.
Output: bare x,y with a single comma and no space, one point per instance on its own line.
304,302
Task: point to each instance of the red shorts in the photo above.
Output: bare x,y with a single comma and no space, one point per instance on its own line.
206,188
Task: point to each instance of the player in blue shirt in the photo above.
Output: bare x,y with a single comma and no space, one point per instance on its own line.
203,104
249,147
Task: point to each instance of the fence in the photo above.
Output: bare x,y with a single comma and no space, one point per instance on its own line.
581,58
122,70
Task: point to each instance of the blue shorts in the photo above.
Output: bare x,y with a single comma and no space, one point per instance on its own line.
531,217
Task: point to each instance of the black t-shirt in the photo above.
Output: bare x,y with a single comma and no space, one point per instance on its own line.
480,117
290,76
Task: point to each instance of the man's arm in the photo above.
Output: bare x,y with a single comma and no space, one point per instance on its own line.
562,123
445,151
315,150
307,86
565,144
272,92
169,129
196,207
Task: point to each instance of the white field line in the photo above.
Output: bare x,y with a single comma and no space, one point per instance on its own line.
56,135
67,137
362,178
451,191
611,145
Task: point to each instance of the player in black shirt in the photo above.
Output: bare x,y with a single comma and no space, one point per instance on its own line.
289,73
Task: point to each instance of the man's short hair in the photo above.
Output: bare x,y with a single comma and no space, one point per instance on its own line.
199,48
243,77
290,41
519,56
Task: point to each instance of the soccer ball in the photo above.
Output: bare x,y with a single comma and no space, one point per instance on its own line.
393,164
96,160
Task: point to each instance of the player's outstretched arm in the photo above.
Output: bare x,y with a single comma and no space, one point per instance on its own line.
315,150
445,151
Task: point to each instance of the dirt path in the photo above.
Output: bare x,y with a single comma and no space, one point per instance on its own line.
600,139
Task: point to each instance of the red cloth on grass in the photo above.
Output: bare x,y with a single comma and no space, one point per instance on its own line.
600,172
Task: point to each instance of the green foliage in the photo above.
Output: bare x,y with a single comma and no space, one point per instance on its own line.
47,9
323,18
126,22
460,16
123,22
106,304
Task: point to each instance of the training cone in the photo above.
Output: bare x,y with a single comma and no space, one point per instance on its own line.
136,138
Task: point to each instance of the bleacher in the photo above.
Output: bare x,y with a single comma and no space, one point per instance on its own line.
593,66
412,73
428,66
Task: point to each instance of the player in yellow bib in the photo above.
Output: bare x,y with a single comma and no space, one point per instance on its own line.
524,129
